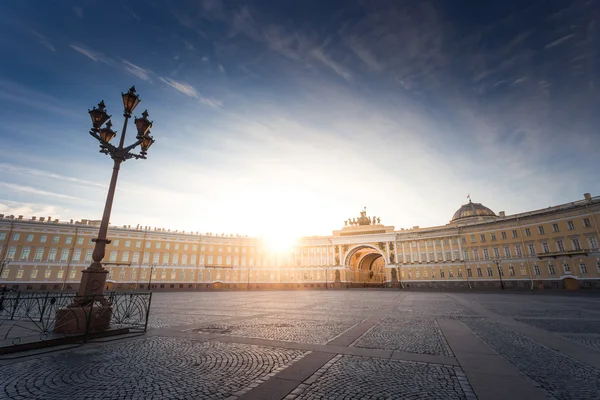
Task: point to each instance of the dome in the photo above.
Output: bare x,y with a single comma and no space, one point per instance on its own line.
472,210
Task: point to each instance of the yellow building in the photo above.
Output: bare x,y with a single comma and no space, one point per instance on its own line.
555,247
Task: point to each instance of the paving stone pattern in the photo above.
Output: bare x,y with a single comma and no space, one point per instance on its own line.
153,368
390,330
563,377
349,377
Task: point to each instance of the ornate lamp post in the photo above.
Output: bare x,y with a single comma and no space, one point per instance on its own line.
151,273
3,265
94,277
497,261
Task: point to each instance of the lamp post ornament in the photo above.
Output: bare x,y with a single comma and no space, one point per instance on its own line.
94,277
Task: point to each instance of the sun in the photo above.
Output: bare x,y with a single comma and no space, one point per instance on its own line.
279,242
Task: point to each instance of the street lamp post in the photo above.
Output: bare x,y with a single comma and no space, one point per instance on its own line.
150,279
497,261
326,279
93,278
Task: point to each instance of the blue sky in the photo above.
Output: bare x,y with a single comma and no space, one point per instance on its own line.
290,116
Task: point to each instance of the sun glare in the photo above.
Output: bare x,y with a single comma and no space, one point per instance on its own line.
279,242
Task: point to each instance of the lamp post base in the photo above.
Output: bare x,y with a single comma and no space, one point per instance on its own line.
92,283
86,318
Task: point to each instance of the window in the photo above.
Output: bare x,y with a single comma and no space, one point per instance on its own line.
10,255
76,254
193,259
52,254
463,240
156,258
493,236
507,251
182,275
450,274
113,256
221,249
576,245
138,244
531,249
570,225
496,253
479,272
465,255
482,238
175,258
55,239
64,255
173,274
515,234
555,228
184,260
527,232
60,274
43,239
560,246
586,222
163,275
456,254
146,258
39,254
2,235
202,247
472,238
518,250
209,260
128,243
20,274
511,271
133,274
448,256
33,274
490,271
4,273
442,274
16,236
523,270
125,256
165,259
593,242
598,265
69,239
80,240
486,254
536,269
545,247
551,269
25,253
148,244
541,229
460,274
47,273
219,260
88,255
211,248
469,273
115,242
503,234
72,274
167,246
158,245
475,254
135,258
566,267
30,238
582,268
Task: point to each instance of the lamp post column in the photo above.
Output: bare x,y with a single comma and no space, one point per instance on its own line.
499,273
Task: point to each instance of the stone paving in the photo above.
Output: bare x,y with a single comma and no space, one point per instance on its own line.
346,344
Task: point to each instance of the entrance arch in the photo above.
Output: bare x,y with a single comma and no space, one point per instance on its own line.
366,263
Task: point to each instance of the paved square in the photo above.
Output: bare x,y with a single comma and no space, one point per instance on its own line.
346,344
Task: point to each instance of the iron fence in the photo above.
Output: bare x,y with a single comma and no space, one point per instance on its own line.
34,317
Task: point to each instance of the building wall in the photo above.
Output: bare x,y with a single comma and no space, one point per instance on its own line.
539,249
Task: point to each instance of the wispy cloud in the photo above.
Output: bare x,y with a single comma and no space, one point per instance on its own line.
16,93
17,169
92,54
38,192
43,40
190,91
136,70
559,41
328,61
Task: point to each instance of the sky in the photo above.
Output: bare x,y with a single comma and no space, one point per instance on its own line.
286,118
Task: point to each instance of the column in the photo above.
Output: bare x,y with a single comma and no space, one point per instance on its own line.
451,249
419,251
387,253
460,253
403,253
412,256
396,251
427,252
434,251
443,250
340,255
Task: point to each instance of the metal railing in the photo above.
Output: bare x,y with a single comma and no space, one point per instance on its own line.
37,317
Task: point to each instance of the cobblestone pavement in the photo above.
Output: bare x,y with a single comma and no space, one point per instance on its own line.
385,345
349,377
563,377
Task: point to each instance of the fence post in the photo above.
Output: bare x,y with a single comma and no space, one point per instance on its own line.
148,312
44,307
12,315
88,318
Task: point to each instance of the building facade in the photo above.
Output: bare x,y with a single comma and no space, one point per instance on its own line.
556,247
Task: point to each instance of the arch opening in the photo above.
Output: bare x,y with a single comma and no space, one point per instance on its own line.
366,264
